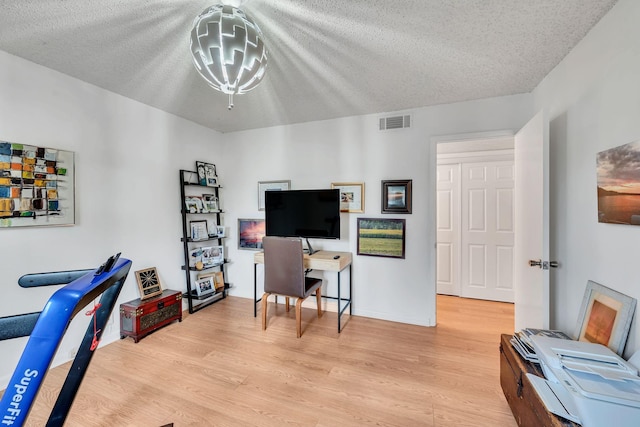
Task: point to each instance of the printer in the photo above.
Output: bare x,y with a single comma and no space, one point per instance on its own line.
586,383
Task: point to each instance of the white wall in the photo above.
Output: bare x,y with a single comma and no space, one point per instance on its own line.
127,193
313,155
592,97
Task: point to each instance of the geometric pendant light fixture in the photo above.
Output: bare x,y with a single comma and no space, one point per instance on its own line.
228,50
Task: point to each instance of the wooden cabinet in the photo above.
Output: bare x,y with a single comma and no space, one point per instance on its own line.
139,318
527,408
202,232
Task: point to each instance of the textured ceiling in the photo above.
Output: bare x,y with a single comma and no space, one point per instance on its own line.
327,58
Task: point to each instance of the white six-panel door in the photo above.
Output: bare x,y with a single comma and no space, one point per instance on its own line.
487,230
475,221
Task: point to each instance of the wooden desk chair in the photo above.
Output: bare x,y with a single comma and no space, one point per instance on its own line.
284,275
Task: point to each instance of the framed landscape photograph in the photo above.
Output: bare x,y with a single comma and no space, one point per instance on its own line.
396,196
148,283
250,234
619,185
207,174
270,186
351,196
381,237
605,317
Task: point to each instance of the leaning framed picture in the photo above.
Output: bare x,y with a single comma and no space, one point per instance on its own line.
207,174
381,237
605,317
396,196
148,283
270,186
351,196
199,230
250,233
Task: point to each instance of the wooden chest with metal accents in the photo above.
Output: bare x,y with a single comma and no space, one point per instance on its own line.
139,318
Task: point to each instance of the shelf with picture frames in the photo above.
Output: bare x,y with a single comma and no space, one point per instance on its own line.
203,236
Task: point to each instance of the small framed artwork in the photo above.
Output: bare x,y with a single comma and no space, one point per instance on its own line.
263,186
218,279
220,231
250,233
199,230
148,283
207,174
605,317
205,286
351,196
210,202
381,237
212,256
193,204
396,196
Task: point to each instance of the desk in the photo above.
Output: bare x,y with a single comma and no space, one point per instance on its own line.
320,260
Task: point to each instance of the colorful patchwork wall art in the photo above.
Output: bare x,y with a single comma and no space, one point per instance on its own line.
36,186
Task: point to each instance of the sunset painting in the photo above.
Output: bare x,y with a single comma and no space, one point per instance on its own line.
251,232
619,184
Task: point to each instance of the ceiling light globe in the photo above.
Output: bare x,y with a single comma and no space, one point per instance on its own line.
228,50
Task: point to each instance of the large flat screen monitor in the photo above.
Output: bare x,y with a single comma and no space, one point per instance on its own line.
303,213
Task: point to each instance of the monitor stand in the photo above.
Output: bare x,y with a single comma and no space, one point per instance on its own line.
310,249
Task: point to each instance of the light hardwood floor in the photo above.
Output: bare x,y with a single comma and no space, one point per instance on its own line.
218,368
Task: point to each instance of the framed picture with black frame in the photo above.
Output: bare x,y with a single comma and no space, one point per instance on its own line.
396,196
381,237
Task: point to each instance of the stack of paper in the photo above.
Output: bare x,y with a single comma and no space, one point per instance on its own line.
521,341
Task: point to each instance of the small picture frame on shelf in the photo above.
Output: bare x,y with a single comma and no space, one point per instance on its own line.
199,230
205,286
195,258
207,174
193,204
220,231
218,281
210,202
212,256
148,283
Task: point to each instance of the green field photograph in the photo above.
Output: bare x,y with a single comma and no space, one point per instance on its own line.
381,237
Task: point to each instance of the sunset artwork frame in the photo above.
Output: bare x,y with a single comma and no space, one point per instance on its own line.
619,184
605,317
250,233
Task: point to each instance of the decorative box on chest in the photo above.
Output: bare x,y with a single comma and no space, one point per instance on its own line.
139,318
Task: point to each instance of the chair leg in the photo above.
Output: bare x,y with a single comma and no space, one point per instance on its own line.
319,301
299,317
264,310
286,304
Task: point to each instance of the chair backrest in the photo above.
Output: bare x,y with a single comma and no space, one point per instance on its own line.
283,266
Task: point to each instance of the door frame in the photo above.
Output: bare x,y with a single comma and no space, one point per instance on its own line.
432,194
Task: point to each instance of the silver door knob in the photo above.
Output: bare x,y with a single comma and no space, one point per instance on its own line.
545,265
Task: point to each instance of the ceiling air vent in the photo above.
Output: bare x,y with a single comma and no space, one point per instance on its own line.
396,122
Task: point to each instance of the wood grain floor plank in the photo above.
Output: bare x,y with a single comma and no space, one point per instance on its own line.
218,368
